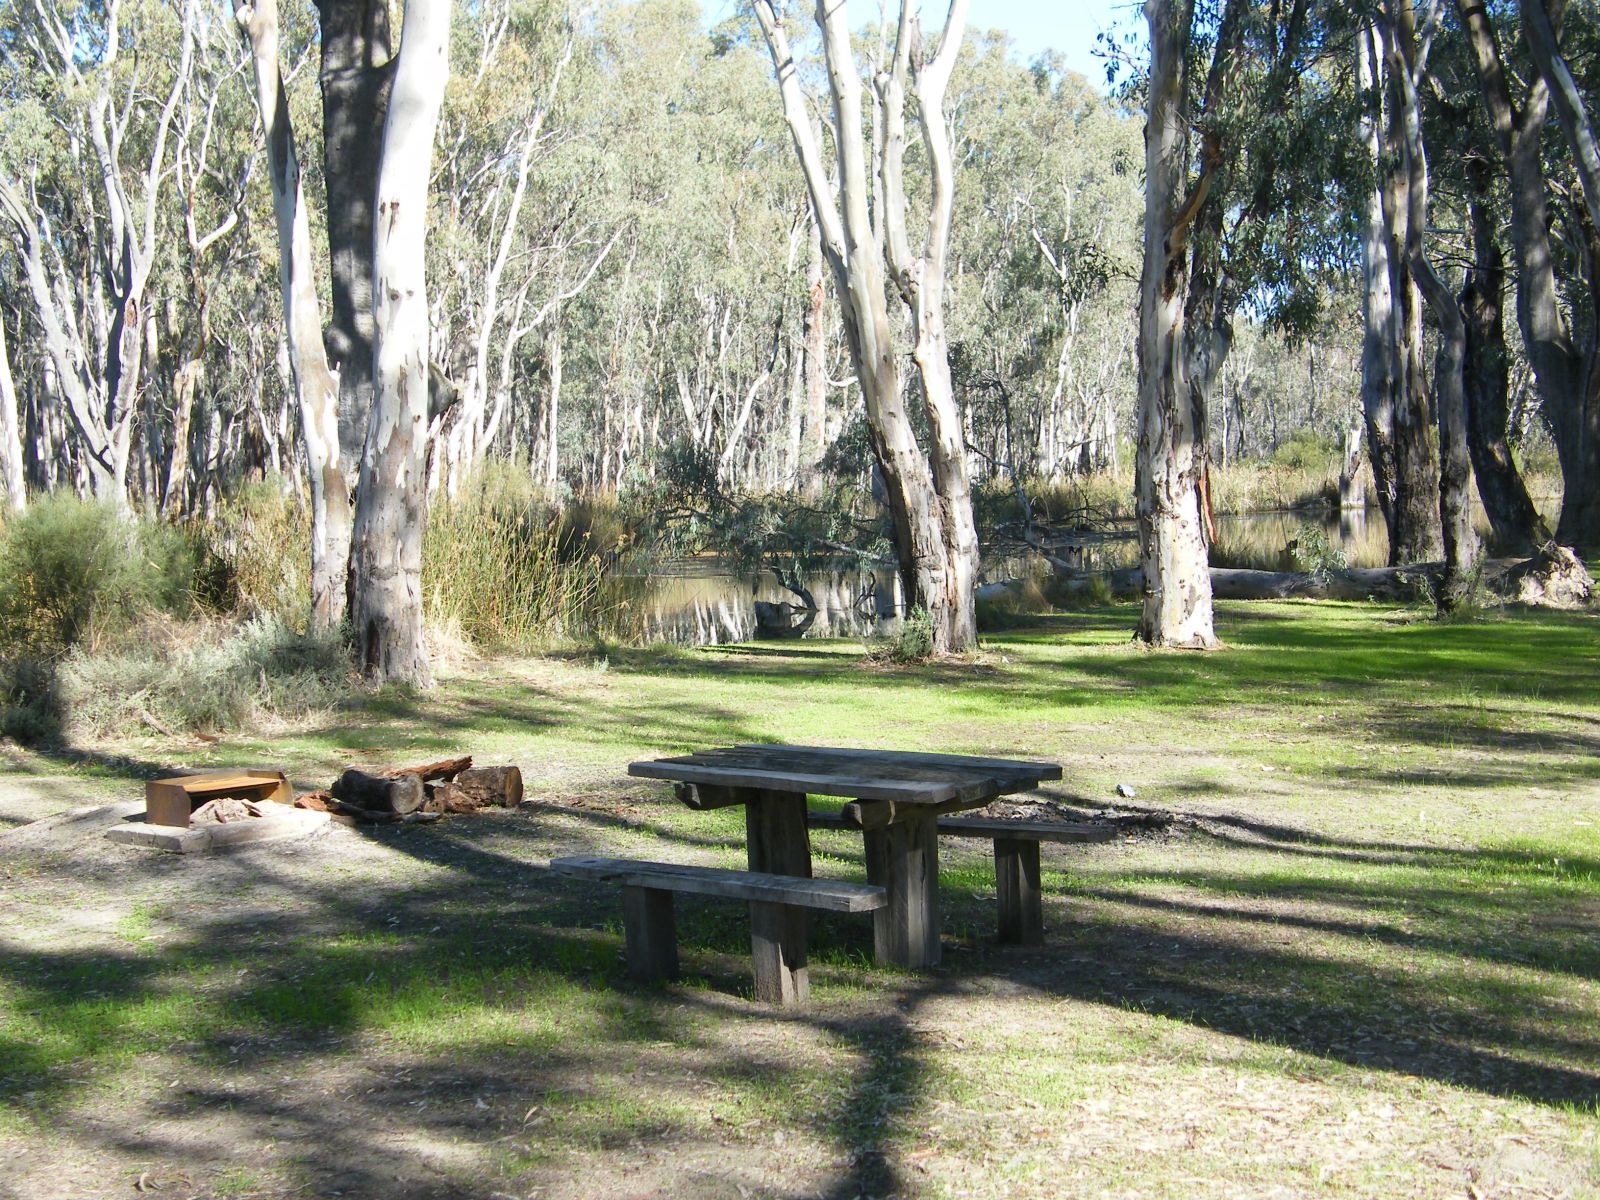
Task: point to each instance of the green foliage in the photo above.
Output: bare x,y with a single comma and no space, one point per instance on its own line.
502,567
1315,553
76,571
30,700
911,642
1305,449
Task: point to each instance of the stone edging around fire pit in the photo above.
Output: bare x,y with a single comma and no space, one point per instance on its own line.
287,823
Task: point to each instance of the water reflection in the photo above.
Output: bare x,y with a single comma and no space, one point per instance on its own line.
699,603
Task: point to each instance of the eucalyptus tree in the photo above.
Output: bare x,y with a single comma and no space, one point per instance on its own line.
13,476
355,71
392,492
316,383
864,231
1573,394
100,145
1171,443
1238,133
1408,43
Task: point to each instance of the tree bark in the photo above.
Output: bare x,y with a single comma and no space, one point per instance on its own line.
12,478
862,232
316,383
1405,464
1486,379
355,75
391,505
1577,417
1177,585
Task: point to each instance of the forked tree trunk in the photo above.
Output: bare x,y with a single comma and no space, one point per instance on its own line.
1177,584
316,384
1394,396
865,230
1408,64
392,501
1486,379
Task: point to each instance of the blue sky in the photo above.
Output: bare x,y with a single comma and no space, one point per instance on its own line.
1065,25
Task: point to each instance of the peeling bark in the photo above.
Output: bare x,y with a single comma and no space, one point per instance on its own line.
1177,585
316,383
392,500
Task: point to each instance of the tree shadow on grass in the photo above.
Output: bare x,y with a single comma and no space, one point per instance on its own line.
445,1008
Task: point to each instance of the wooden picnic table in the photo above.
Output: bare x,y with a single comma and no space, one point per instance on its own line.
895,799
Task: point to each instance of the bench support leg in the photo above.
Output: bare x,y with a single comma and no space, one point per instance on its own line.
1016,879
904,859
777,839
778,946
652,935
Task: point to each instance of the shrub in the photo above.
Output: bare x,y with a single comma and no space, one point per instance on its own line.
257,554
912,642
1313,552
262,671
77,571
30,700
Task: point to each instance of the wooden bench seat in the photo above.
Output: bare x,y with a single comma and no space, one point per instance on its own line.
778,923
1016,861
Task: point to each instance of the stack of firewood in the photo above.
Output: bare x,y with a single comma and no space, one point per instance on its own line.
418,794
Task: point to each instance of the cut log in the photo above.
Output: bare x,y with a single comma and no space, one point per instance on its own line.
451,798
445,769
491,787
400,795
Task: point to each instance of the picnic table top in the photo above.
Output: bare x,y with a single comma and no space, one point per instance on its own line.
911,778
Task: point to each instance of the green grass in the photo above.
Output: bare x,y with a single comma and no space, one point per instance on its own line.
1381,896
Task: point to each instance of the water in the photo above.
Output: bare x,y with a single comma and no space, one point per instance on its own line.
699,603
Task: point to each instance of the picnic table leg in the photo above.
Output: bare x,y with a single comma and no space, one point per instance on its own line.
778,946
904,859
1016,878
776,836
651,933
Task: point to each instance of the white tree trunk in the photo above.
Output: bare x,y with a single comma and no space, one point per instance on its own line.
1177,582
11,474
316,384
927,495
392,500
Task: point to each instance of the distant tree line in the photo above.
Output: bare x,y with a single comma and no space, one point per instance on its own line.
597,238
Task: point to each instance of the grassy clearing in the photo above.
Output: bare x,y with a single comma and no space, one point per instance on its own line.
1362,963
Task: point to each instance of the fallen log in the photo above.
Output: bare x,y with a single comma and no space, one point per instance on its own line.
401,794
490,787
445,769
1552,578
1239,583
